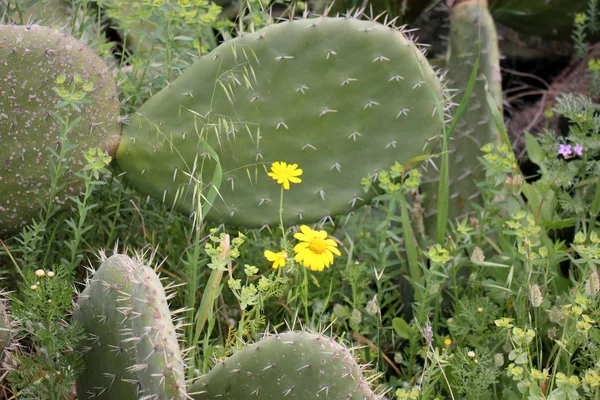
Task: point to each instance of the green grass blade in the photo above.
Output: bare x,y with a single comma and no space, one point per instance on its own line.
411,248
498,119
444,189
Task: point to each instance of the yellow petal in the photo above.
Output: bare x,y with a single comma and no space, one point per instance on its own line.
318,262
307,231
302,237
300,256
301,246
325,258
329,257
334,250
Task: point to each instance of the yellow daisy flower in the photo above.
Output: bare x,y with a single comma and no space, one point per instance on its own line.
315,251
285,173
278,259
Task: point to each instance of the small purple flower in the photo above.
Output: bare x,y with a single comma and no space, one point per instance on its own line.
578,150
565,150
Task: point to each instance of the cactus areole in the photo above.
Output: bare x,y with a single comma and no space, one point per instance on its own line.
343,98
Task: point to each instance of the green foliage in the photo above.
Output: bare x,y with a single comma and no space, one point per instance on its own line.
481,311
48,367
568,168
471,323
472,374
579,35
585,23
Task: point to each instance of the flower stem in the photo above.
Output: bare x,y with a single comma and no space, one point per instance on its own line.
305,296
281,219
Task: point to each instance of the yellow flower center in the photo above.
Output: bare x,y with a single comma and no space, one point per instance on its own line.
318,246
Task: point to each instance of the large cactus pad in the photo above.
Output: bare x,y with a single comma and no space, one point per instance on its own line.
31,59
343,98
131,350
546,18
470,23
291,365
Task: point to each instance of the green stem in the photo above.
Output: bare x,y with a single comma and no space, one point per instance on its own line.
281,219
411,249
305,295
211,292
595,209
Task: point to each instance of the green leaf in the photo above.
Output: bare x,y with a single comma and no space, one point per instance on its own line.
402,328
534,150
557,394
522,358
560,224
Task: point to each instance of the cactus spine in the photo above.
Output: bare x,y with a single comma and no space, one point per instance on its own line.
291,365
132,349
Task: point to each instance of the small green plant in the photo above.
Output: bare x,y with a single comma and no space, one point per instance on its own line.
579,35
48,366
585,24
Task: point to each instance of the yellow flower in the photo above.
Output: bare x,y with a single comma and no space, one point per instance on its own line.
315,251
278,259
285,173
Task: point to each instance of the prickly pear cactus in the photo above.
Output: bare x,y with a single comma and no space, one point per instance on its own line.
470,22
31,59
132,349
291,365
546,18
343,98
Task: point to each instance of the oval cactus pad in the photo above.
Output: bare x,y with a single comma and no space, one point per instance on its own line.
340,97
291,365
31,59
